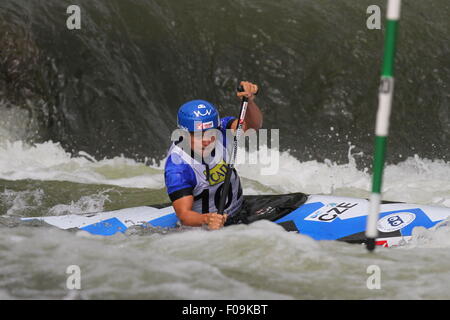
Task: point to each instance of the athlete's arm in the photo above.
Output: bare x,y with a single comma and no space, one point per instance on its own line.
253,118
183,209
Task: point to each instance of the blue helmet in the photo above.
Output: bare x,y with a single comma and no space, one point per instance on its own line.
198,115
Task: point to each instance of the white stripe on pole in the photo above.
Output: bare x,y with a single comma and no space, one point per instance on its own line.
393,10
372,219
384,106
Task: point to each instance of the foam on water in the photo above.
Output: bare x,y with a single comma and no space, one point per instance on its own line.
309,176
49,161
414,180
436,237
258,261
18,203
86,204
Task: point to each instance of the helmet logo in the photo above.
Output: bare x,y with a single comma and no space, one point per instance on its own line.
199,113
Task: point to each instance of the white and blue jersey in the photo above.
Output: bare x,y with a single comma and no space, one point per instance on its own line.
184,176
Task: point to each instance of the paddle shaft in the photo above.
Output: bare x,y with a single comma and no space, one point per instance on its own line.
230,166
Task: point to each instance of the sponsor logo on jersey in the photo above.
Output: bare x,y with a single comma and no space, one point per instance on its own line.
217,174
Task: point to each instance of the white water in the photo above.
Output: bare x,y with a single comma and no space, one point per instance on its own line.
259,261
49,161
414,180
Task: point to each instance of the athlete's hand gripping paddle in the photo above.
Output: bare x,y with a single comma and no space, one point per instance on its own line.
230,167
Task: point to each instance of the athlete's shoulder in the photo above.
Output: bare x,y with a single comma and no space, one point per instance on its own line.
174,160
178,174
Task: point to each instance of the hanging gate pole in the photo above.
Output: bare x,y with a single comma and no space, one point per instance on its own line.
382,122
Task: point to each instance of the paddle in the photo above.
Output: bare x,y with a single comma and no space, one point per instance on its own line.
230,166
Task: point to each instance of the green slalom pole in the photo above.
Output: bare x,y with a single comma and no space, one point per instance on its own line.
382,123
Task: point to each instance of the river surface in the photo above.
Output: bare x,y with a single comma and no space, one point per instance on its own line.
86,118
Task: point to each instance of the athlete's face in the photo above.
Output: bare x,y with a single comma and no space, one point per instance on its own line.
203,143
